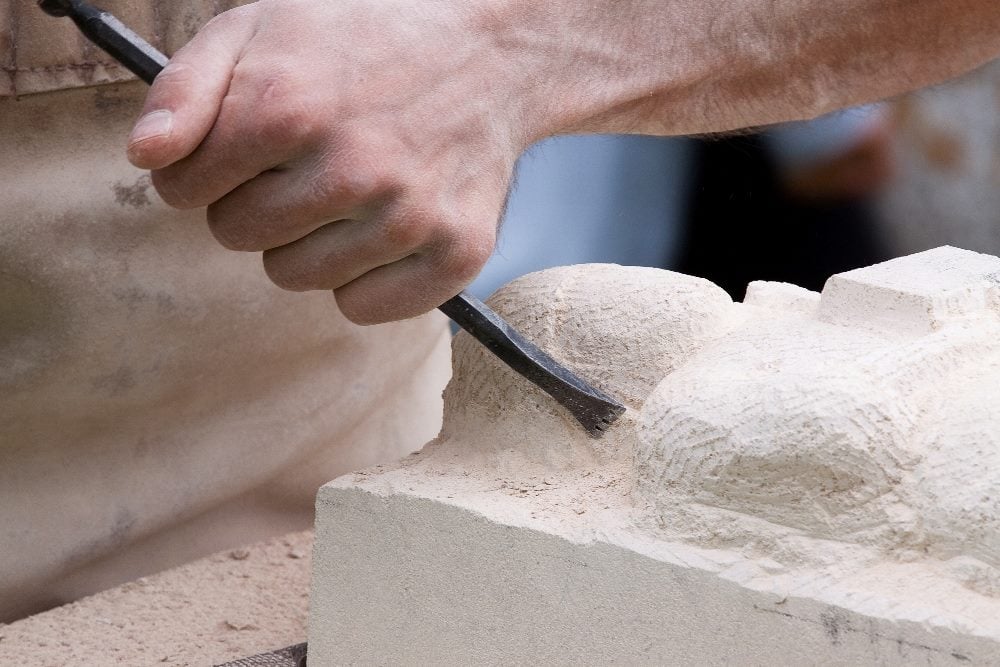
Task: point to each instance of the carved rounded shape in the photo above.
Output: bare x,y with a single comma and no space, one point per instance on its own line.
620,328
807,443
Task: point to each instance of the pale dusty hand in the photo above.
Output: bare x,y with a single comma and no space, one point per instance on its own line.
366,148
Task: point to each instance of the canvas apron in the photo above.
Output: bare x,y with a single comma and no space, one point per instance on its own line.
159,398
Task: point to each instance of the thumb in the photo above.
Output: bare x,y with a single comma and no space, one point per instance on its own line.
185,98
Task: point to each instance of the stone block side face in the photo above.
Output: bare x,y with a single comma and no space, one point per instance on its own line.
807,450
914,295
406,580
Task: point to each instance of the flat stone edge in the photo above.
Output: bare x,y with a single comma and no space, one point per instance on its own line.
398,577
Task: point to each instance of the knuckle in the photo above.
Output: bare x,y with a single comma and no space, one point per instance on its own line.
288,125
356,305
462,252
340,190
404,233
349,181
229,230
465,262
285,272
284,116
171,188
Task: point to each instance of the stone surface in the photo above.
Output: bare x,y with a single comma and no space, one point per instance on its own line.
799,479
221,608
424,580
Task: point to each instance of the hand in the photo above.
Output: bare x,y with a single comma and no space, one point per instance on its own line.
365,148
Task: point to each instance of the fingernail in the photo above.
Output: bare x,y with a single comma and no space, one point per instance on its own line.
153,124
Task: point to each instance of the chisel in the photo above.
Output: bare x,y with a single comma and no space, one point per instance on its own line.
594,409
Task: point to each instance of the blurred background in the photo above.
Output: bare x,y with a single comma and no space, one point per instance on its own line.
793,203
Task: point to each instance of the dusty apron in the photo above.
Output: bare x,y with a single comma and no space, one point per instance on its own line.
159,398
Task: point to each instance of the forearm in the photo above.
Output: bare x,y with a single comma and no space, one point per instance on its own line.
694,66
367,147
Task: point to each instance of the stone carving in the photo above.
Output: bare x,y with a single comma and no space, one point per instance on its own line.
870,416
843,448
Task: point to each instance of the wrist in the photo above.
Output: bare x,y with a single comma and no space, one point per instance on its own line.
605,66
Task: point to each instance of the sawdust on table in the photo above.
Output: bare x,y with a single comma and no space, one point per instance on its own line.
227,606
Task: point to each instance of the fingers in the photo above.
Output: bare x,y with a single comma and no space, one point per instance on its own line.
384,269
409,287
279,207
249,138
333,255
348,175
360,232
185,99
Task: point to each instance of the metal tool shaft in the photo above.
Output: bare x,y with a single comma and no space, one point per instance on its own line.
107,32
591,407
594,409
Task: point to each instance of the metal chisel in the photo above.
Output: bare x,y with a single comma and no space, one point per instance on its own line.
594,409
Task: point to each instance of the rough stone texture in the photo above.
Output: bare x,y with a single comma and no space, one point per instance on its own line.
808,481
221,608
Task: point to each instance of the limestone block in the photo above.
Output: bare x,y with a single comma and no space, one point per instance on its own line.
800,479
915,294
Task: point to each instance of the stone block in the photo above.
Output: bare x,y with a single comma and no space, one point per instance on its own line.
800,479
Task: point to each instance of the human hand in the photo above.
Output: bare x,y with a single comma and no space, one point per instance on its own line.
365,148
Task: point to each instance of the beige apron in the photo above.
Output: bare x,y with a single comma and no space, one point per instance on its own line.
41,54
159,398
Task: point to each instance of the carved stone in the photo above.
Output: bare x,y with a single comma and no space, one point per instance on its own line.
799,479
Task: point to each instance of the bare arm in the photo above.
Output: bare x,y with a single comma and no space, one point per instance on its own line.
692,66
367,146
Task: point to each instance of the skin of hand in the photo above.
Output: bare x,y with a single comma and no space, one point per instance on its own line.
367,147
360,146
